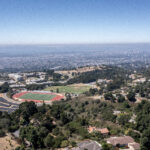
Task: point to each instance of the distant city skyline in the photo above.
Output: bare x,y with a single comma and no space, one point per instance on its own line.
74,21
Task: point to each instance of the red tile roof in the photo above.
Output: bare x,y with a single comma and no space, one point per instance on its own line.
102,131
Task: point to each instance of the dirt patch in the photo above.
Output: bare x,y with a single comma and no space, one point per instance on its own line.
8,143
78,85
101,98
80,70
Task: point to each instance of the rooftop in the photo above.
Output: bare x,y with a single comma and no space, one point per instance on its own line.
120,140
89,145
135,146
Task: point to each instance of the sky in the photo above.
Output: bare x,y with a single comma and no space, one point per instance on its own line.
74,21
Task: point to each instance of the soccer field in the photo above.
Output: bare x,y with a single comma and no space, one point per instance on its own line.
36,96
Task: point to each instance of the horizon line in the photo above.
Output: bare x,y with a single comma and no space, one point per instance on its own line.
97,43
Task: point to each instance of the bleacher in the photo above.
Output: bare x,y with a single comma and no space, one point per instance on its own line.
7,106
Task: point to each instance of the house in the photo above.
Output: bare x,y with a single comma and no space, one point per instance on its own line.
91,129
120,141
103,131
88,145
141,80
124,141
35,122
132,120
134,146
15,77
116,112
2,82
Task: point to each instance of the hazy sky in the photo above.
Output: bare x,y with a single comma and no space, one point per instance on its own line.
74,21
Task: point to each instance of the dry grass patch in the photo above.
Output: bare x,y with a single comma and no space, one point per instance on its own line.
8,143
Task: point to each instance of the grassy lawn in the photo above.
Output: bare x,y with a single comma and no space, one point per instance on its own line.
35,96
76,89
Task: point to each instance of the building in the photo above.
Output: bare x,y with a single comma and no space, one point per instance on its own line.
123,141
141,80
91,129
134,146
116,112
34,80
132,120
103,81
15,77
17,86
2,82
104,131
88,145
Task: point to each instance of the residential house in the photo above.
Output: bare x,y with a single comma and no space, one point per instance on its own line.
134,146
88,145
116,112
123,141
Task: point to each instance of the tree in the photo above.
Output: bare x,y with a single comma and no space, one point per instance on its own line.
126,104
121,98
108,115
10,93
106,146
143,116
56,131
43,132
4,88
73,143
76,127
65,118
131,96
68,96
109,96
27,109
135,135
57,90
30,134
35,87
49,141
57,141
4,123
123,119
96,136
48,123
145,140
93,91
57,76
115,84
2,133
140,89
50,72
64,143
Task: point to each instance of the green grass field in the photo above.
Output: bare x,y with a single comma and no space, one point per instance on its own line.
70,89
36,96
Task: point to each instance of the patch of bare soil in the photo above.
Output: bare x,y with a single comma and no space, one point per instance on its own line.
8,143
